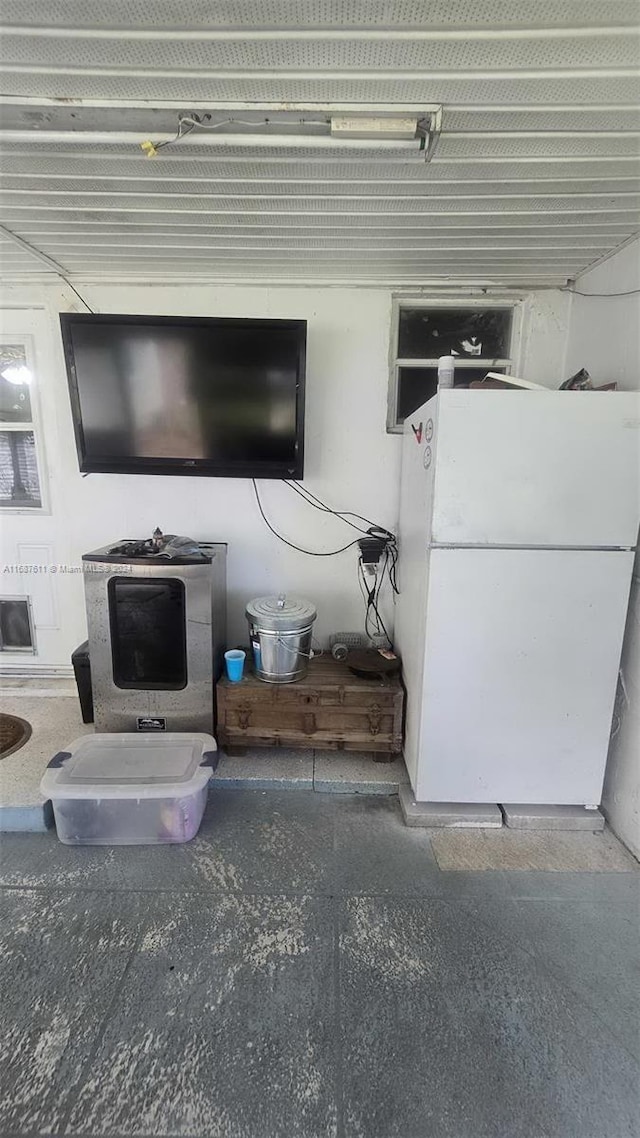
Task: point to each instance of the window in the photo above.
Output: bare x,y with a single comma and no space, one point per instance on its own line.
19,464
479,336
16,625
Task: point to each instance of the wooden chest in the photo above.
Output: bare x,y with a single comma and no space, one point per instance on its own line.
330,709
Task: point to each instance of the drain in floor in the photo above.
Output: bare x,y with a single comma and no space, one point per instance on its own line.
14,733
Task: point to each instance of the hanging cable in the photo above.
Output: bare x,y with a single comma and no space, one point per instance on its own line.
309,552
78,294
371,596
317,505
304,490
378,552
188,123
151,148
601,295
385,539
206,125
58,269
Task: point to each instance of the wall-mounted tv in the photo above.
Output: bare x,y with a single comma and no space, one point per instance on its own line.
187,395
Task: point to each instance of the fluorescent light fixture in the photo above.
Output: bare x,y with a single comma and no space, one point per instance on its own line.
374,128
360,132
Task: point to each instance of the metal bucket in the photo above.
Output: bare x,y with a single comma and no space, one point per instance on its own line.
280,629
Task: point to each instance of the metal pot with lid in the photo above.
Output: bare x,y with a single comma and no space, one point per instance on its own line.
280,630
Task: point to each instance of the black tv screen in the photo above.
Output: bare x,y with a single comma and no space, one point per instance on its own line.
187,395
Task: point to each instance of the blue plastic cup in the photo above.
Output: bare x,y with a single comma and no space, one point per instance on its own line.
234,662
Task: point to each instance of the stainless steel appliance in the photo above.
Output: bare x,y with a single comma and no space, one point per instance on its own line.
157,631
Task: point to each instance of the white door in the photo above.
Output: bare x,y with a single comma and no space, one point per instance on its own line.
521,658
35,576
537,468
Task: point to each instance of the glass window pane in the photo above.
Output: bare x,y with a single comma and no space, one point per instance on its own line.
19,484
427,333
417,384
15,377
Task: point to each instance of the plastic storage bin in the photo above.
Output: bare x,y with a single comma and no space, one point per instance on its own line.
144,789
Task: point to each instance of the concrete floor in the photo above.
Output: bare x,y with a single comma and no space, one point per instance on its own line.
51,706
303,969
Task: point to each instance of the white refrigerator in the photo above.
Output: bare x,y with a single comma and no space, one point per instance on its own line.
519,516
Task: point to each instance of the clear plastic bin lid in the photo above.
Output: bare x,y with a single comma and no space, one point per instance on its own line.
146,765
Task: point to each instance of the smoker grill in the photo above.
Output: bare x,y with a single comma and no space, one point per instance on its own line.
157,630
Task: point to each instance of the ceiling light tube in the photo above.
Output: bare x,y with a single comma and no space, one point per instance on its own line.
205,139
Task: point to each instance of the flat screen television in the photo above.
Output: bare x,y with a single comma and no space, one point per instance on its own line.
187,395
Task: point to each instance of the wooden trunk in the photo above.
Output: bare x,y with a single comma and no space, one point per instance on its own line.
329,709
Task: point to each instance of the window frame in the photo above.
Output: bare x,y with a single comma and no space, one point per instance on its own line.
515,305
34,425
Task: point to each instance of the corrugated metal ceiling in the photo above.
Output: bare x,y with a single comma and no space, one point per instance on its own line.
536,174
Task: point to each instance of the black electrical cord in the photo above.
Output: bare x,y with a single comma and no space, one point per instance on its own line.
385,569
366,596
373,623
389,538
393,568
319,504
372,615
309,552
371,597
79,295
376,597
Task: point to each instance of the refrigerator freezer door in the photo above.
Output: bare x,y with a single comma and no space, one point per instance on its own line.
537,468
522,655
416,496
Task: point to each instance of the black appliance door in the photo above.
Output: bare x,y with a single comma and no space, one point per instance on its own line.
148,632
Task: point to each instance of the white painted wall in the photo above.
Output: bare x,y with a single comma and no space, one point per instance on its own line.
604,334
604,337
351,462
